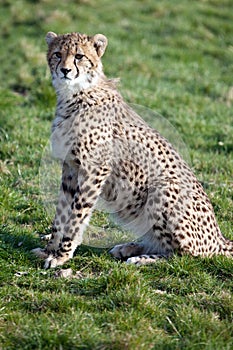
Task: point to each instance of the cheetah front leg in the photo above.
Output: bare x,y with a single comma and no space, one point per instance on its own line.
63,210
79,215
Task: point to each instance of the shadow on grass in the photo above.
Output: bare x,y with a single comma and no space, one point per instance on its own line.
220,267
16,244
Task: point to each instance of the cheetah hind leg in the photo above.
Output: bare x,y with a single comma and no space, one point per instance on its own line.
133,253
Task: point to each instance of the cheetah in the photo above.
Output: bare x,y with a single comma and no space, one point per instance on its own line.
111,157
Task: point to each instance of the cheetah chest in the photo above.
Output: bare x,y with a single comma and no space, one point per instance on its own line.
62,138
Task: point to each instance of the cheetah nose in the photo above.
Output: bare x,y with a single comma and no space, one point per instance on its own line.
65,71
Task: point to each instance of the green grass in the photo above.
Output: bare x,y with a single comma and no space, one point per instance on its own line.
174,57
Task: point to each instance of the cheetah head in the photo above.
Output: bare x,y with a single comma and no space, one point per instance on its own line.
75,60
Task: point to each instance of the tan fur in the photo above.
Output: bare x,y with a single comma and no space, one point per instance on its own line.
110,155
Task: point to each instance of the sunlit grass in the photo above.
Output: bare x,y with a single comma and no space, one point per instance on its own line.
174,58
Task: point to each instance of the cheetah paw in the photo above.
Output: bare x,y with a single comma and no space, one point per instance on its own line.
124,251
144,259
134,260
53,261
40,253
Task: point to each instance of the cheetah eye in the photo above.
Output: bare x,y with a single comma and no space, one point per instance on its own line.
58,54
79,56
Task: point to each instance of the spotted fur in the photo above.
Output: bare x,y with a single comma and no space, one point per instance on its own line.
111,157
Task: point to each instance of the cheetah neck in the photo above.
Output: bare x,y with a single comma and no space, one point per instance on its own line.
72,101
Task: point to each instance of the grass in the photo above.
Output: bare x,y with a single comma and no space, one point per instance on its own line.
174,57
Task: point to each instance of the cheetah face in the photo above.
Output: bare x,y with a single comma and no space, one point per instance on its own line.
75,60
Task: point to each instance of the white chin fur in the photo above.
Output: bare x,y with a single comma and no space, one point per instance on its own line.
78,84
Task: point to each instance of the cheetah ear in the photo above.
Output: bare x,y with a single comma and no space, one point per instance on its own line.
50,37
100,44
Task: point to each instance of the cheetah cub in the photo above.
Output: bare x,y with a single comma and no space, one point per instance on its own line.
109,155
